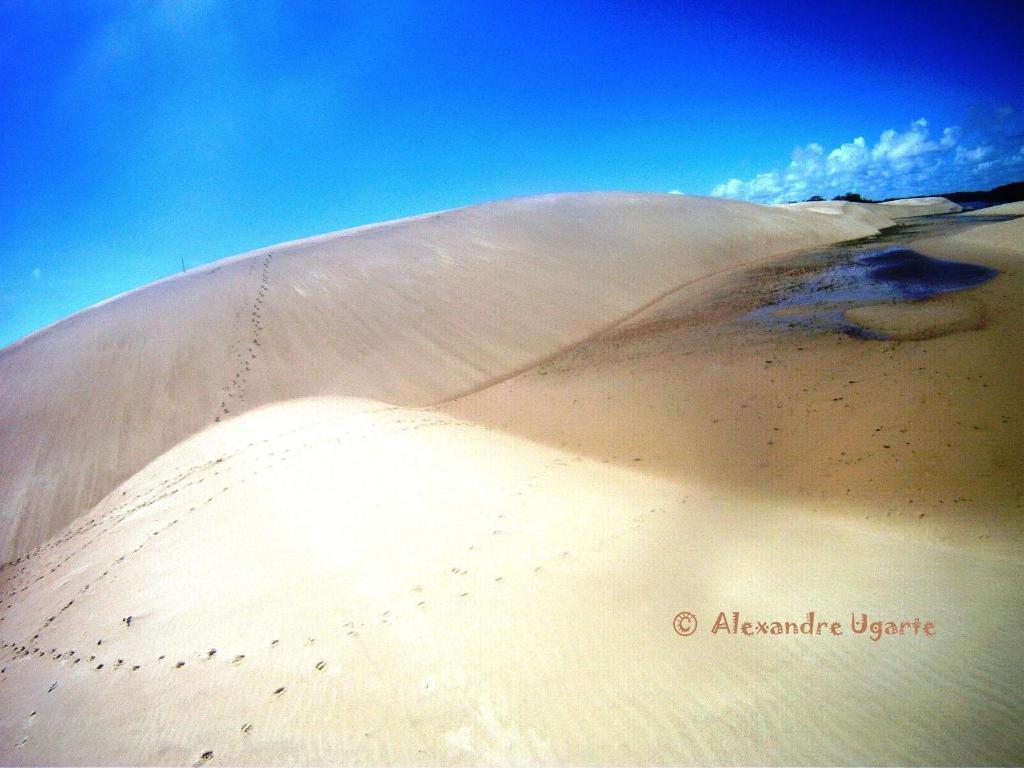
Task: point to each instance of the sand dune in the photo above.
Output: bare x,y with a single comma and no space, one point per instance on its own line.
459,595
880,215
867,213
920,206
875,214
1006,209
412,312
1006,236
701,389
479,463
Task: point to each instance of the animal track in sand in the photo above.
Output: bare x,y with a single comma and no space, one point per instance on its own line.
122,559
236,389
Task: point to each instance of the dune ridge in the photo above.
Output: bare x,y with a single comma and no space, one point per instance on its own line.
920,206
412,312
486,569
1004,236
1005,209
529,620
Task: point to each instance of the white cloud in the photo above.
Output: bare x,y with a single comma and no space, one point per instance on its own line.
976,155
849,158
731,188
950,136
900,163
901,150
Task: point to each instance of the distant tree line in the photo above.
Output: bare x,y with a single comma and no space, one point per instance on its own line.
850,197
1007,193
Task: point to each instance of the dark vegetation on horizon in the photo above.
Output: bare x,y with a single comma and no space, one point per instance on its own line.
1006,193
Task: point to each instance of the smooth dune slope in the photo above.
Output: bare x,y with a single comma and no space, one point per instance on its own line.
1006,209
710,384
331,581
492,579
880,215
869,214
920,206
1006,236
411,312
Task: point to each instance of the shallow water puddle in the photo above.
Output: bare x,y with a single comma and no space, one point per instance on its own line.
893,276
916,276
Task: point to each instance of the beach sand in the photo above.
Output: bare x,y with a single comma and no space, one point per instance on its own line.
479,463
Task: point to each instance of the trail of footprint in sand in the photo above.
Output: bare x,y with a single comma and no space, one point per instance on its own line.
247,330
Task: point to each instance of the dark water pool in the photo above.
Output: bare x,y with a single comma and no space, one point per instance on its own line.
892,274
916,276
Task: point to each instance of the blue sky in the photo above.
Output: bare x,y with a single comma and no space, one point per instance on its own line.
135,135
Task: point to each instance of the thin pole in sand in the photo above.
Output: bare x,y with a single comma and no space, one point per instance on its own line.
183,264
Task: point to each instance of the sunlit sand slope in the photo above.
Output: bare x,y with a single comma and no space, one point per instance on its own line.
494,578
341,582
409,312
920,206
881,214
701,386
1006,209
868,213
1005,236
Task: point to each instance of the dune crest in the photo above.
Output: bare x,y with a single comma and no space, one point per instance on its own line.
920,206
1006,209
412,312
469,471
458,595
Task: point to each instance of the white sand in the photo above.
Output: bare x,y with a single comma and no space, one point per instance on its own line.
1006,209
411,313
867,213
1005,236
493,579
920,206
